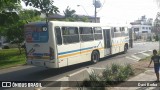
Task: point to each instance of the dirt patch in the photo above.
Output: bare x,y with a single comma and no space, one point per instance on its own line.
141,66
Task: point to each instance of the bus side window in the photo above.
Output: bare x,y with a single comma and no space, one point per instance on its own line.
122,31
117,34
70,35
86,33
97,33
126,30
112,32
58,35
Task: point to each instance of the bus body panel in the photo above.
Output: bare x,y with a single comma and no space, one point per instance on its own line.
88,47
69,54
49,53
37,44
118,45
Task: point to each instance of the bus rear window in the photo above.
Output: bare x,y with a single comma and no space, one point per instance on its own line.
36,34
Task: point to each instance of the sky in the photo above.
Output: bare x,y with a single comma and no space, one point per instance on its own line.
112,11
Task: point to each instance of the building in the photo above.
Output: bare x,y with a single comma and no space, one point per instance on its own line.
78,18
142,28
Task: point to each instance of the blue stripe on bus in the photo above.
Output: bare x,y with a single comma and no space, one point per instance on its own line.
74,50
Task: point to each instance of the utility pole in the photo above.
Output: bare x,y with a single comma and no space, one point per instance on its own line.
157,25
95,11
159,42
97,4
130,30
157,30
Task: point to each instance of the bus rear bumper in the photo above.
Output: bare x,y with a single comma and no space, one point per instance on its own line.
41,63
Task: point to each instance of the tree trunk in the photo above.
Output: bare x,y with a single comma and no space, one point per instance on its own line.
47,18
19,48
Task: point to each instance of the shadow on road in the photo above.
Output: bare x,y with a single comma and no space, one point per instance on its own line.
41,73
38,73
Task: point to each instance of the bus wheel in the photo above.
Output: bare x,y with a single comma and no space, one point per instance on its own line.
95,57
125,49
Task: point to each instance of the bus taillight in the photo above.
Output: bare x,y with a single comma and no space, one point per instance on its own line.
51,53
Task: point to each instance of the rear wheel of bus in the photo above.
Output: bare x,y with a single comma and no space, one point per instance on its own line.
125,49
95,57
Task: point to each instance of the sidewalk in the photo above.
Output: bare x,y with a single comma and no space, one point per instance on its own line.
147,76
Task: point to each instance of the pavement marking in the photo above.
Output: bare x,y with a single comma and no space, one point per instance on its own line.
144,51
37,89
63,79
96,68
131,58
89,70
135,53
145,54
137,58
77,72
150,50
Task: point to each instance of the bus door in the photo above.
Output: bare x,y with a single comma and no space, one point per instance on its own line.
107,41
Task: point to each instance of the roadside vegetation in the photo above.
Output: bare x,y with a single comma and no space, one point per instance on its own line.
110,76
115,75
11,58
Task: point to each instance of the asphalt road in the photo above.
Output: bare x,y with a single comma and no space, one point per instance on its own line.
31,73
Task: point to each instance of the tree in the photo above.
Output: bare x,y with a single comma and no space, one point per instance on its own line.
8,10
84,19
15,31
45,6
156,27
7,18
12,20
9,5
30,15
8,13
69,13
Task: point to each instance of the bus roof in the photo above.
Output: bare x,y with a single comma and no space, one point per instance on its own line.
75,23
65,23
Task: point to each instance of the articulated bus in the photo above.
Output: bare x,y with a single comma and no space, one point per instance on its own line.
58,44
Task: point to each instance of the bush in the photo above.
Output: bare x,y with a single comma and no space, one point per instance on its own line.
6,47
110,76
115,68
107,74
128,70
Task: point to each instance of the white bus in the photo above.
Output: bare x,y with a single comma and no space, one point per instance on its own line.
59,44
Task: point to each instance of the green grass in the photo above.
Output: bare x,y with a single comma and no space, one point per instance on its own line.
11,58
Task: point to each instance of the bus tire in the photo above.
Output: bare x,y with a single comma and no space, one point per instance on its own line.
125,49
95,57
